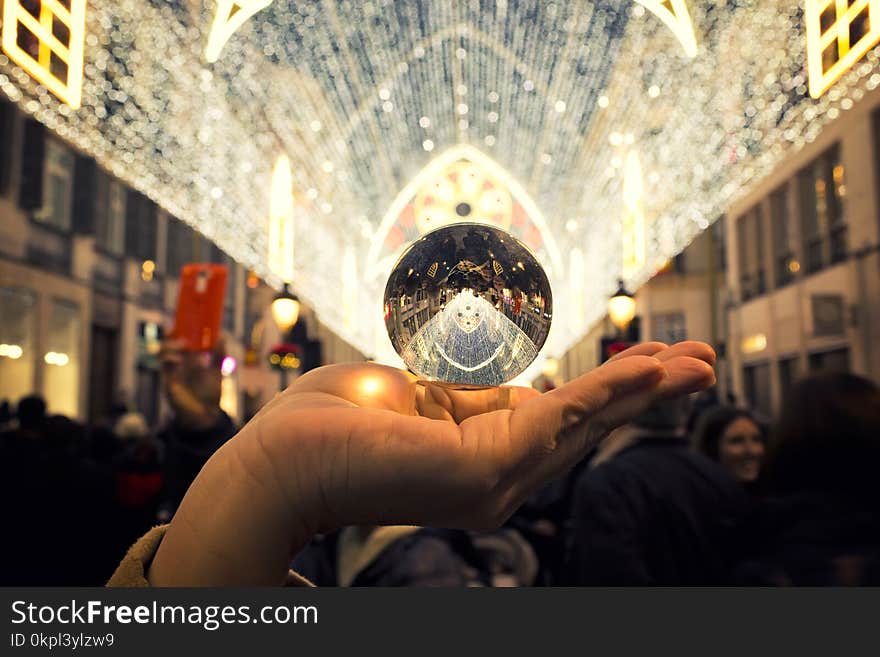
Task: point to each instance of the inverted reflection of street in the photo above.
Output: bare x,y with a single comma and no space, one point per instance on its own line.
469,305
471,342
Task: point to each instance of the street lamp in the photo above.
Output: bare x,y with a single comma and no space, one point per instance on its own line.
621,307
285,312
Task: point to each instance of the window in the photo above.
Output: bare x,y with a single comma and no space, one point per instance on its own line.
789,371
785,265
180,246
229,302
756,380
57,186
7,116
669,327
719,243
61,359
201,251
836,360
17,356
823,228
750,238
110,215
141,229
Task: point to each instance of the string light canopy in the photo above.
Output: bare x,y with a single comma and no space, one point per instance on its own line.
548,100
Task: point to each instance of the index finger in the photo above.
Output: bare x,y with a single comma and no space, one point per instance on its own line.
561,425
641,349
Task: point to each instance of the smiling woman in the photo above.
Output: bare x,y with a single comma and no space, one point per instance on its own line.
734,438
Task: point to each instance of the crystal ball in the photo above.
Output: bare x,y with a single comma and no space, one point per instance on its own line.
468,304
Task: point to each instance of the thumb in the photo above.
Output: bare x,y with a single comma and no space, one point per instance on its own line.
538,427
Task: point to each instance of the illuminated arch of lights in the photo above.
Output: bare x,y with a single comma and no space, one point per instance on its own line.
361,97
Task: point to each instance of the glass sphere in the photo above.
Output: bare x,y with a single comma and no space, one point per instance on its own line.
468,304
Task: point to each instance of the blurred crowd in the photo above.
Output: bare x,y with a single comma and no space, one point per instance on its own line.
693,492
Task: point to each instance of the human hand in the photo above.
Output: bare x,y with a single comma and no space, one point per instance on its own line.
368,444
192,383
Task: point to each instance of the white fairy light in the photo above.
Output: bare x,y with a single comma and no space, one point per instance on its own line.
316,81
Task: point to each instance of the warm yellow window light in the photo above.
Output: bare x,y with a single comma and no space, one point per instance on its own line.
621,307
49,46
147,270
839,33
231,15
12,351
281,228
752,344
550,367
285,309
675,16
633,223
56,358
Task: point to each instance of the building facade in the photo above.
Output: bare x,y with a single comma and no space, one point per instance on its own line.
804,268
686,300
787,283
88,287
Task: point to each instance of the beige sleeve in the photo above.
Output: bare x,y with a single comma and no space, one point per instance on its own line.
132,570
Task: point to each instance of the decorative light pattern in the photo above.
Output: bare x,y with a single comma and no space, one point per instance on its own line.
281,226
675,15
463,192
633,224
839,33
46,38
367,100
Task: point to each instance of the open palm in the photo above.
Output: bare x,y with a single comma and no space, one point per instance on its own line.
365,443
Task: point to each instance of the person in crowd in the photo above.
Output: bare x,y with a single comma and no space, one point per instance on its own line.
191,382
820,523
702,402
58,505
732,437
544,521
649,511
137,474
365,444
30,413
395,555
5,414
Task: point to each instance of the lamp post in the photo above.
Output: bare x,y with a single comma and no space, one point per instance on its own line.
285,313
621,308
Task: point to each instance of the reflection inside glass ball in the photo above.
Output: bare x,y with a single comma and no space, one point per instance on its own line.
468,304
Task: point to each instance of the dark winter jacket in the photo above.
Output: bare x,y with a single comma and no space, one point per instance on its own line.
393,556
186,452
814,539
655,514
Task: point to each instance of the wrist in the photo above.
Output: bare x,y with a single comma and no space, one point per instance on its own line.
234,527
